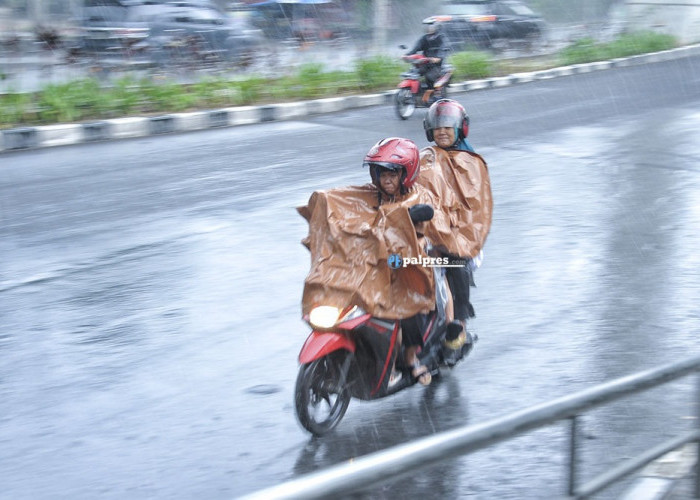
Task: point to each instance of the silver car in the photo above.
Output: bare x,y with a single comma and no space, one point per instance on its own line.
166,31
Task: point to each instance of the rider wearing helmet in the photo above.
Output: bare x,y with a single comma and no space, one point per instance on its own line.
447,124
434,46
454,162
394,164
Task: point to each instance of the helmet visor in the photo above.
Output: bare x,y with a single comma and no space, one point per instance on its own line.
378,166
444,115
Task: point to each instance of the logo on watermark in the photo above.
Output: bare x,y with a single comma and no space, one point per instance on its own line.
395,261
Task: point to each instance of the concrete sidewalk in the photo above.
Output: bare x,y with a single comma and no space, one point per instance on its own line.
130,127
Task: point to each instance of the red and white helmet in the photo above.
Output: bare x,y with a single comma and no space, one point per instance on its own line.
447,113
394,153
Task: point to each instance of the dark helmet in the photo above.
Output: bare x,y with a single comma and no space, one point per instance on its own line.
447,113
431,26
394,153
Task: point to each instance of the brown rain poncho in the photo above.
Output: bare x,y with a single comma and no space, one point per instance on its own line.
460,188
350,238
350,242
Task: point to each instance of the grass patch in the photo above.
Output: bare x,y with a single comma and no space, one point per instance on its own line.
630,44
378,72
87,99
471,65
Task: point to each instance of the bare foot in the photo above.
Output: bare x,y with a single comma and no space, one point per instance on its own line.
421,373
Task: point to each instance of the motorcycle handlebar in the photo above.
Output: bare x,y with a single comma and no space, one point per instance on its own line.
416,59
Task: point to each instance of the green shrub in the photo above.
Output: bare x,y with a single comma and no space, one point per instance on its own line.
310,80
471,65
13,108
587,50
583,51
249,90
167,96
123,98
214,92
65,102
640,43
378,72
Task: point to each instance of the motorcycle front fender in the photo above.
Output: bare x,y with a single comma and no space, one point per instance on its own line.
320,344
414,85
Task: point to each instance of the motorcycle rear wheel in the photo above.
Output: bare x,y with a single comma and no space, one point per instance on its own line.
405,103
320,400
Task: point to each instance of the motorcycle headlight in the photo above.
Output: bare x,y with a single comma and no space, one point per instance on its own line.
324,316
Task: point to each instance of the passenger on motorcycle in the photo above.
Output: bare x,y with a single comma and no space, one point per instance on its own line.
447,124
456,165
394,165
434,46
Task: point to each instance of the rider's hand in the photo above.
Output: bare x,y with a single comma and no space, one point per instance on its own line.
435,60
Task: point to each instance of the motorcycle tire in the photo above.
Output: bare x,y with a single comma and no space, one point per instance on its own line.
320,401
405,103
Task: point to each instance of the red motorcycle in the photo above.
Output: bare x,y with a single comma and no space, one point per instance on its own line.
412,89
350,354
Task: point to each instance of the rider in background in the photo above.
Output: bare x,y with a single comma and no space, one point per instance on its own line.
465,172
434,46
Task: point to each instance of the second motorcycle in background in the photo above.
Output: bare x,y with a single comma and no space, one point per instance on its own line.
413,89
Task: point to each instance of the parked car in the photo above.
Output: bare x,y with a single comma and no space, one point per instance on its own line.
489,24
305,21
112,26
165,30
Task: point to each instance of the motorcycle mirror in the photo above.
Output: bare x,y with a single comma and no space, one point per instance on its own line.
402,46
421,213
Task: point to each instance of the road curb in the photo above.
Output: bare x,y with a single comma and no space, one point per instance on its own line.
131,127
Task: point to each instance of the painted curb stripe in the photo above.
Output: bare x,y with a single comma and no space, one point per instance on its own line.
121,128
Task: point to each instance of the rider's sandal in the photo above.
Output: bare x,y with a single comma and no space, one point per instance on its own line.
421,374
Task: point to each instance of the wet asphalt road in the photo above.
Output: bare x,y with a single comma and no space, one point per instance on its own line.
150,293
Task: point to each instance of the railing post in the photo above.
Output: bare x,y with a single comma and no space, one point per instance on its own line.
573,455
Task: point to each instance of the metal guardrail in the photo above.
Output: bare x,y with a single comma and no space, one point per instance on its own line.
380,467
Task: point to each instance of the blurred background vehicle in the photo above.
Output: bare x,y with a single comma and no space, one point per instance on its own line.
489,24
114,26
304,20
166,30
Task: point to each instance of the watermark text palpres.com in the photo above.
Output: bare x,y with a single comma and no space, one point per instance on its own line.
395,261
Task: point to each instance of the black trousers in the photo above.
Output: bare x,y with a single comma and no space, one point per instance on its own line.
460,279
412,330
431,73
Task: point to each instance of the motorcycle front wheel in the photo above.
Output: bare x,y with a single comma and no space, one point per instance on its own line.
321,397
405,103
